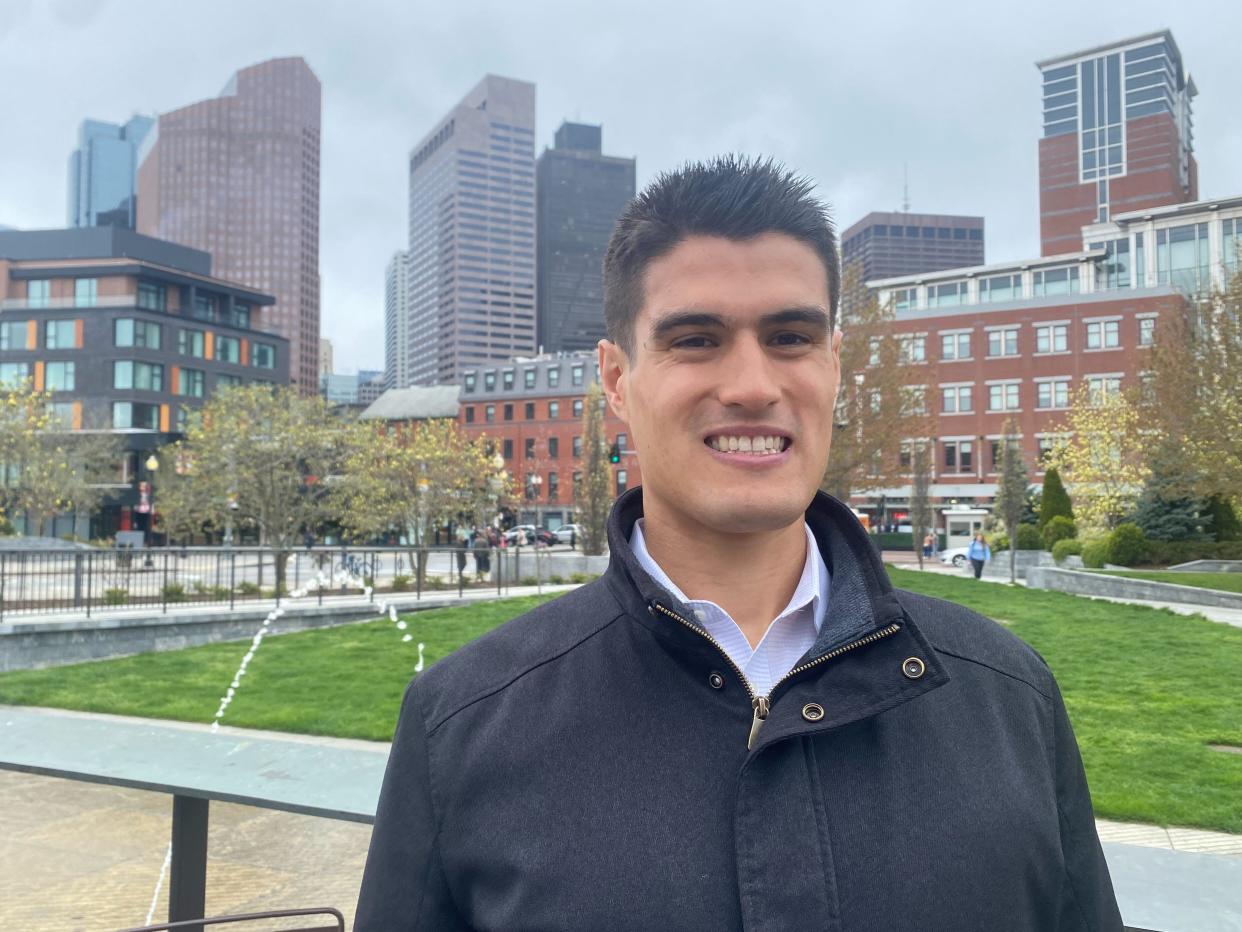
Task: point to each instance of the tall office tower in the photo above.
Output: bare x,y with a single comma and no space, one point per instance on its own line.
1117,136
325,356
580,194
884,245
238,176
471,271
102,172
397,322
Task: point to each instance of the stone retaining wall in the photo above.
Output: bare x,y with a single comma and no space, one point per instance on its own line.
1124,587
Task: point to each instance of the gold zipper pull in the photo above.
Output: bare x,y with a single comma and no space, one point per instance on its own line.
761,706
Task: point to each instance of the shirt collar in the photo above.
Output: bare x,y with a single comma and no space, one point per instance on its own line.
812,588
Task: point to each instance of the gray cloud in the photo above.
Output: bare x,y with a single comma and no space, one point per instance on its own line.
847,94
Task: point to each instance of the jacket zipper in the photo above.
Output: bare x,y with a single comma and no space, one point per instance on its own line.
761,705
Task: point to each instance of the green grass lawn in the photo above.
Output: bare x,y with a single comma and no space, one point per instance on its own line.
1147,690
1228,582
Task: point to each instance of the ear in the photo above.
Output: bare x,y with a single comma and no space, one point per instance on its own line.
613,368
836,356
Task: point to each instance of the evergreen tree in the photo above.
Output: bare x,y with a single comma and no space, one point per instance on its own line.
1165,510
1011,489
1054,500
1225,523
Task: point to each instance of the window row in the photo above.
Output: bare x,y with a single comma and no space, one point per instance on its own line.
1003,341
1050,394
529,411
959,457
24,334
151,296
530,375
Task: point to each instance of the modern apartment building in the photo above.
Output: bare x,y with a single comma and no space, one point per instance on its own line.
1117,136
238,177
397,322
102,173
471,276
130,335
887,244
580,194
532,409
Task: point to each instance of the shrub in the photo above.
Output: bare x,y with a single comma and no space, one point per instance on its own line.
246,587
579,578
1126,545
174,592
529,581
1029,538
1225,525
1095,553
368,581
1054,501
1066,547
400,583
435,582
1057,529
556,580
999,543
1172,552
116,596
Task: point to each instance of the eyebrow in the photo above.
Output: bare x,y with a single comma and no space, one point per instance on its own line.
674,320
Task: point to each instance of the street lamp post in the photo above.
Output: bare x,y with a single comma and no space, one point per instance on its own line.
152,463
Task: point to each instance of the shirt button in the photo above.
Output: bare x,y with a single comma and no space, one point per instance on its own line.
715,680
913,667
813,712
700,615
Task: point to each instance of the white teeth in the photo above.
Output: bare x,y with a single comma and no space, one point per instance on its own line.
743,444
762,446
733,444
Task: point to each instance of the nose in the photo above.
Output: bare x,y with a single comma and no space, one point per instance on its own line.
748,376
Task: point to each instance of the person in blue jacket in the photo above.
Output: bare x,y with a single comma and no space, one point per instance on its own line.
978,553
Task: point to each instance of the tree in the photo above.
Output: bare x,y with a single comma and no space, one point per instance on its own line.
876,407
595,494
1225,524
267,451
1099,451
921,519
1012,487
1165,510
1055,500
416,481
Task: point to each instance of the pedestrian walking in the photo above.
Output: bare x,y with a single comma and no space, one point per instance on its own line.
928,543
482,555
978,553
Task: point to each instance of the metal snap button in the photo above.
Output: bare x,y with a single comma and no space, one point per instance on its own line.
812,711
716,680
913,667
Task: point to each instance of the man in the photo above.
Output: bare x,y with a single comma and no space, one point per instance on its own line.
741,725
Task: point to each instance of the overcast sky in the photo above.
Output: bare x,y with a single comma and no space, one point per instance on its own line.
845,92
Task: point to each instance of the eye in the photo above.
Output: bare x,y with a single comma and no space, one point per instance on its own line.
696,341
790,338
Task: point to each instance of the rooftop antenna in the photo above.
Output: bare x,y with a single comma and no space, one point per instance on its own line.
905,187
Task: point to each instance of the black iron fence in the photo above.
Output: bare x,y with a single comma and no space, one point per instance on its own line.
100,580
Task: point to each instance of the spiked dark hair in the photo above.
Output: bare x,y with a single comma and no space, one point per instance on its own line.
732,196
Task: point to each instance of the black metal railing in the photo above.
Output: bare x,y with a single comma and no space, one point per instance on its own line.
68,582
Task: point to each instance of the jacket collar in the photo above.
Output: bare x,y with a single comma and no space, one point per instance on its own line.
861,598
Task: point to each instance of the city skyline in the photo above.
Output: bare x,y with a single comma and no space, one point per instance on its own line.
977,157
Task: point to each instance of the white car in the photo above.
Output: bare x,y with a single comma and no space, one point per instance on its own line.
955,555
529,533
568,532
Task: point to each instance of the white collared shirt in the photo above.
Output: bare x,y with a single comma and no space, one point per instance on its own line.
790,635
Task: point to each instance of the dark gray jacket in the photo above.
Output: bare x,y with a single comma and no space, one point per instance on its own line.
585,767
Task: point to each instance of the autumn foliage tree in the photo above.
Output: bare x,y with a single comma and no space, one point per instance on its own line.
595,493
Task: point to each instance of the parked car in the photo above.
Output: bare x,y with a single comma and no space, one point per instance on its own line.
533,534
568,533
955,555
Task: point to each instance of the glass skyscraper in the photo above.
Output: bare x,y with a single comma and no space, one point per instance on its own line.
471,274
103,173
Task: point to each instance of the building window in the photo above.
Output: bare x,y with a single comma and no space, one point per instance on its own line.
489,381
1147,331
554,448
529,452
1056,281
141,333
577,407
469,414
554,487
576,446
184,415
60,334
1003,342
152,297
554,377
191,383
1052,338
905,299
227,381
228,349
622,480
955,346
1003,397
38,293
913,400
133,414
957,399
263,355
946,295
489,414
1046,445
14,334
507,449
190,343
554,410
62,414
1103,334
468,382
508,413
1103,386
240,316
873,351
142,376
959,456
1182,258
507,380
1113,270
1052,394
13,374
84,292
528,378
913,348
1231,242
1000,288
575,375
204,307
59,377
529,411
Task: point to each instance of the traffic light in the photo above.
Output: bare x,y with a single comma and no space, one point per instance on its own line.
614,454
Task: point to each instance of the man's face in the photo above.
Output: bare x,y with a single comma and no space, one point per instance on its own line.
730,389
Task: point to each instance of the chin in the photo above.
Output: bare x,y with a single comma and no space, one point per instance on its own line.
754,514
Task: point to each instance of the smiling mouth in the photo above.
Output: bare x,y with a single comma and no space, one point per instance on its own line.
768,445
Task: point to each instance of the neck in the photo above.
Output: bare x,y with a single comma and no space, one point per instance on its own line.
752,576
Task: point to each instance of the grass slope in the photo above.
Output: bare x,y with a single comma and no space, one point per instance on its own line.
1226,582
